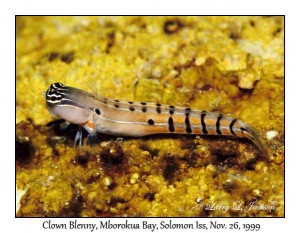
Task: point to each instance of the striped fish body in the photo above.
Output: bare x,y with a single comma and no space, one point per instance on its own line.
126,118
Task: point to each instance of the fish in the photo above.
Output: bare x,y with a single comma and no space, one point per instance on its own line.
97,114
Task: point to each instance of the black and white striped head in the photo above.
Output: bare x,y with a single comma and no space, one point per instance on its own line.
54,93
68,103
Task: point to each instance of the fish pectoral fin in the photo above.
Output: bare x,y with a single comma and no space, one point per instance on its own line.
93,139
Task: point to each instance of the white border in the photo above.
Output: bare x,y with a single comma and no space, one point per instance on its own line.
7,43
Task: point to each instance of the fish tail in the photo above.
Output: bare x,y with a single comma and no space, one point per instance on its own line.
255,137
